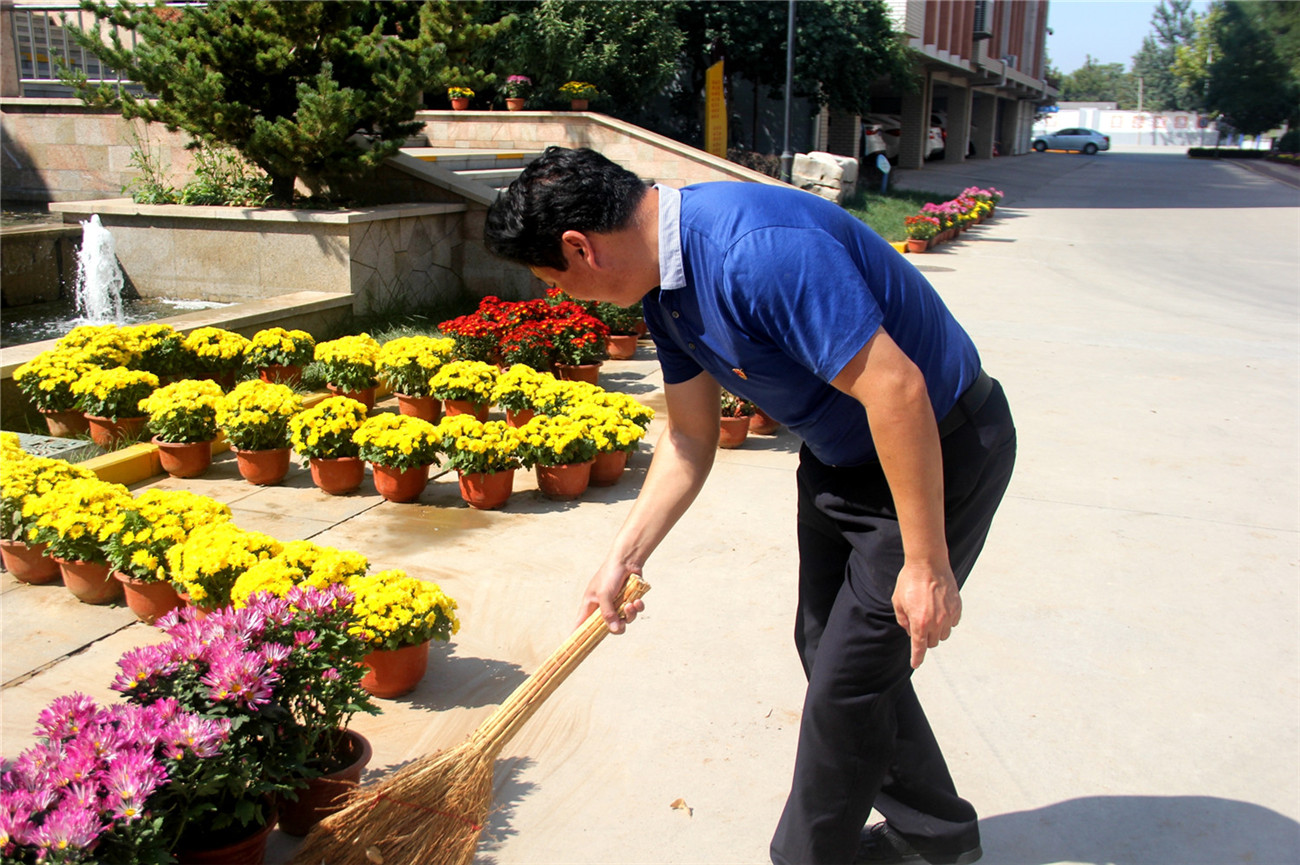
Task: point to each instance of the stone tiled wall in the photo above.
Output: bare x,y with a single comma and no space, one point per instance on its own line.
61,150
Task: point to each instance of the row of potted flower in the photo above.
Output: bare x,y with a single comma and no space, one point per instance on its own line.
517,89
938,222
556,332
557,427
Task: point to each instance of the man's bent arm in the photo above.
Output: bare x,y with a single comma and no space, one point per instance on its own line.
893,391
683,457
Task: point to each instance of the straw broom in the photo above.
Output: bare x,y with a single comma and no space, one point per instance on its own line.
432,811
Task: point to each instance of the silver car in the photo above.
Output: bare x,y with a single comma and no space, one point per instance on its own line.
1087,141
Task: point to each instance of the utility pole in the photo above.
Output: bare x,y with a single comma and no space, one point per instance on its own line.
787,156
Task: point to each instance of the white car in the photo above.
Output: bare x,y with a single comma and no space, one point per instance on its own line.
1087,141
889,127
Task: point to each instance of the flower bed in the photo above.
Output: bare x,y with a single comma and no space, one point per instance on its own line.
942,221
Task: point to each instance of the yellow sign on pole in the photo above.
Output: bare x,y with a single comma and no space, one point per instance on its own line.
715,112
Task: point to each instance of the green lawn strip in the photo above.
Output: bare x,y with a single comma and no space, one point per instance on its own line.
885,213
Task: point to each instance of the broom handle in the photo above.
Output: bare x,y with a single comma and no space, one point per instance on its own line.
527,698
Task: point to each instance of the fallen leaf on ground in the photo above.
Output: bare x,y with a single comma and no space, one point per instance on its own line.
680,805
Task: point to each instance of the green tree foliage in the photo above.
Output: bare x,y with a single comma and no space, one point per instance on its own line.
841,47
629,51
303,89
1245,59
1173,24
1100,82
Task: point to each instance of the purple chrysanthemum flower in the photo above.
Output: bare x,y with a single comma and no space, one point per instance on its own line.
80,762
68,827
241,678
306,640
65,716
202,737
140,666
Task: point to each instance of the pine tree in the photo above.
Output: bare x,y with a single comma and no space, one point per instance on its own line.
304,89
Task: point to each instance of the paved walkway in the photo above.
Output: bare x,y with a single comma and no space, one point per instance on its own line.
1123,686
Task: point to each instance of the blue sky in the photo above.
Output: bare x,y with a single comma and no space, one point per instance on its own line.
1110,30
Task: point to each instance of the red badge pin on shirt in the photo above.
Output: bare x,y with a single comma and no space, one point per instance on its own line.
739,372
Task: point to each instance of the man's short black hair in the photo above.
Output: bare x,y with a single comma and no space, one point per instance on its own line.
561,190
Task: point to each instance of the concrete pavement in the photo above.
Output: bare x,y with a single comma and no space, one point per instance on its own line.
1123,686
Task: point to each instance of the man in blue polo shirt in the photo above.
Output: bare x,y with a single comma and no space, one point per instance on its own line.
908,446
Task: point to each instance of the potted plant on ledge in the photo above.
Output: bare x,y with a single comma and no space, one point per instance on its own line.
579,93
516,91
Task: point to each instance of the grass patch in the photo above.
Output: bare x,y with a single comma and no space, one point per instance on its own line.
885,213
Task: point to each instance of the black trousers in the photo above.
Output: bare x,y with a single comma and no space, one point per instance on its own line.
864,740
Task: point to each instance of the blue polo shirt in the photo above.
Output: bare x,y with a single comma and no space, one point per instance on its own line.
773,290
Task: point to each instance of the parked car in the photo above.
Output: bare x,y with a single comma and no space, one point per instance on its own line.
1087,141
889,126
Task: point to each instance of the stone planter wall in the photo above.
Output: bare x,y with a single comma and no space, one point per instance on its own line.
380,255
649,154
37,262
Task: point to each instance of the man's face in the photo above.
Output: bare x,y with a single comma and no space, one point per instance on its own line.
582,283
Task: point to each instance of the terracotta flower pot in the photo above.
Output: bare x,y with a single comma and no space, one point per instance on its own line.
110,434
454,407
733,433
588,372
564,482
90,582
578,104
424,407
400,485
150,601
247,850
366,397
515,103
337,475
28,562
761,423
459,104
486,491
264,467
184,459
394,672
621,346
65,424
281,374
324,794
519,418
608,468
916,244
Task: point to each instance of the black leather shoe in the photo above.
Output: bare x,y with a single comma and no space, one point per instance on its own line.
882,845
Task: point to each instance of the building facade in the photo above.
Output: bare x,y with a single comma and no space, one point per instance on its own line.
981,65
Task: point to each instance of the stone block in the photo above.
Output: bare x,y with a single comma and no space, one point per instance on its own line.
817,167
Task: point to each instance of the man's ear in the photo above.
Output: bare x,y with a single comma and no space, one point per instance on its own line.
577,245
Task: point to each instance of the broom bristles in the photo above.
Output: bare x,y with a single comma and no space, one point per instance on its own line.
430,811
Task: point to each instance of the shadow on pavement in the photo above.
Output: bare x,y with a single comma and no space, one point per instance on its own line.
1142,830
